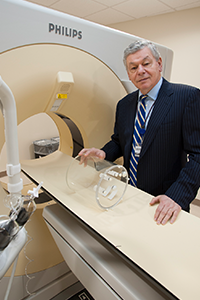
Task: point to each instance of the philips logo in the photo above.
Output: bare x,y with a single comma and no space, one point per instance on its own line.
65,31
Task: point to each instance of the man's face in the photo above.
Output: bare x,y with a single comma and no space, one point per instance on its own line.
143,69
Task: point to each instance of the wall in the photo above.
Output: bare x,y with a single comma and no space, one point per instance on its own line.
179,31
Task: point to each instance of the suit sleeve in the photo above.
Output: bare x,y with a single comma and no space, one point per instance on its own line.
184,189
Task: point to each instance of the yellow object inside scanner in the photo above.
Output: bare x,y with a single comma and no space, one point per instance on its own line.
31,73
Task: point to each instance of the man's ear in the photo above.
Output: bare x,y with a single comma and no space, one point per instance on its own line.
160,64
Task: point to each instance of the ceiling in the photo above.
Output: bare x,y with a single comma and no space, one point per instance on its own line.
107,12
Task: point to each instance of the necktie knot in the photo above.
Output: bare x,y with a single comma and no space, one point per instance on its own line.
142,113
143,98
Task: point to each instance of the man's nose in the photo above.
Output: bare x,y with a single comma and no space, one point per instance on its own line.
141,69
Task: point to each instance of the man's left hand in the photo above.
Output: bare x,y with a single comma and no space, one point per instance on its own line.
166,210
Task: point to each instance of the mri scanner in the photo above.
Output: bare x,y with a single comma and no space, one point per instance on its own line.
71,71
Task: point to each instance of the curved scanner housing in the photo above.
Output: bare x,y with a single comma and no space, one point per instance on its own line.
86,89
34,83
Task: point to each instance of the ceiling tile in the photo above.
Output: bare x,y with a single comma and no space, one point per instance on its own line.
116,11
109,16
178,3
76,7
141,8
188,6
169,10
110,3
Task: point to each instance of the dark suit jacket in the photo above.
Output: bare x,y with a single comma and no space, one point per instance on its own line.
173,132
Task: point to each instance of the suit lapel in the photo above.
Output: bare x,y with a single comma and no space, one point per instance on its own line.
161,108
132,112
130,120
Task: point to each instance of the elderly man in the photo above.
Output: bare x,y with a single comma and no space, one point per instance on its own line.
157,131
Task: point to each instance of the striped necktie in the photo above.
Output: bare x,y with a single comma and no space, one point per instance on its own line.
138,136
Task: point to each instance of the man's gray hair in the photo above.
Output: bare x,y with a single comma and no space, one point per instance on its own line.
139,45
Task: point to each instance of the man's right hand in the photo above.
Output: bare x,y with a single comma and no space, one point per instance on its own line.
91,152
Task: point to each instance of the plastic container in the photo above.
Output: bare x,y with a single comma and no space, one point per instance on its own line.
45,147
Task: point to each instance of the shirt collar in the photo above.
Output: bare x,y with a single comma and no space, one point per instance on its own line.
153,93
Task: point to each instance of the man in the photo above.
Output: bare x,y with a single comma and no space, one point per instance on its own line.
169,157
